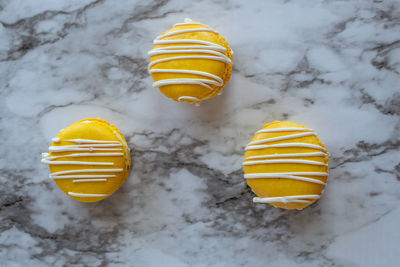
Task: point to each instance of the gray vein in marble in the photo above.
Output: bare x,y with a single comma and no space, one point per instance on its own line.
27,37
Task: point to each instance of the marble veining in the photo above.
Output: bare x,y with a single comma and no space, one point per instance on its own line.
331,65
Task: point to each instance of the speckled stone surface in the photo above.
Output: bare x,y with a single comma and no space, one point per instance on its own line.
330,65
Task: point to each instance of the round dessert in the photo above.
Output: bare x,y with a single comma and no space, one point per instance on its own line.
89,160
286,165
191,62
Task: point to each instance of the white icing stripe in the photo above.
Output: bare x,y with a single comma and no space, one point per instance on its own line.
222,59
195,72
283,176
279,138
65,162
305,145
289,129
188,21
85,170
177,49
272,161
61,149
312,154
188,98
88,176
88,180
168,50
86,195
83,141
192,47
87,145
55,140
77,155
286,199
185,31
271,174
202,82
205,44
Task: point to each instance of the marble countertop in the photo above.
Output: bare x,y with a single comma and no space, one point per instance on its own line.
333,66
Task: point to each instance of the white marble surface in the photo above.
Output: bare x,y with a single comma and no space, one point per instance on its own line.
331,65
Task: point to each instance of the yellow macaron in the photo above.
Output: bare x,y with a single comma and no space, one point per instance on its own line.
286,165
89,160
190,62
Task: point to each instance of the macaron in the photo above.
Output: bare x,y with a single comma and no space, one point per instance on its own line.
191,62
89,160
286,165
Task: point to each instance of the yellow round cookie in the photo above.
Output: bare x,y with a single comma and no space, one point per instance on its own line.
89,160
191,62
286,165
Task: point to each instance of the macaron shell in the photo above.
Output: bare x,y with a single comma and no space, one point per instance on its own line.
278,187
93,129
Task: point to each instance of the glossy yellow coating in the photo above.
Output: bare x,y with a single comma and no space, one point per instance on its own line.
94,129
279,187
214,67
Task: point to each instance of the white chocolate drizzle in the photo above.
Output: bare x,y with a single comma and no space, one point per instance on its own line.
286,199
312,154
210,51
280,138
80,148
70,162
188,97
288,129
289,158
86,180
85,170
73,194
289,175
272,161
304,145
84,175
46,155
88,141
